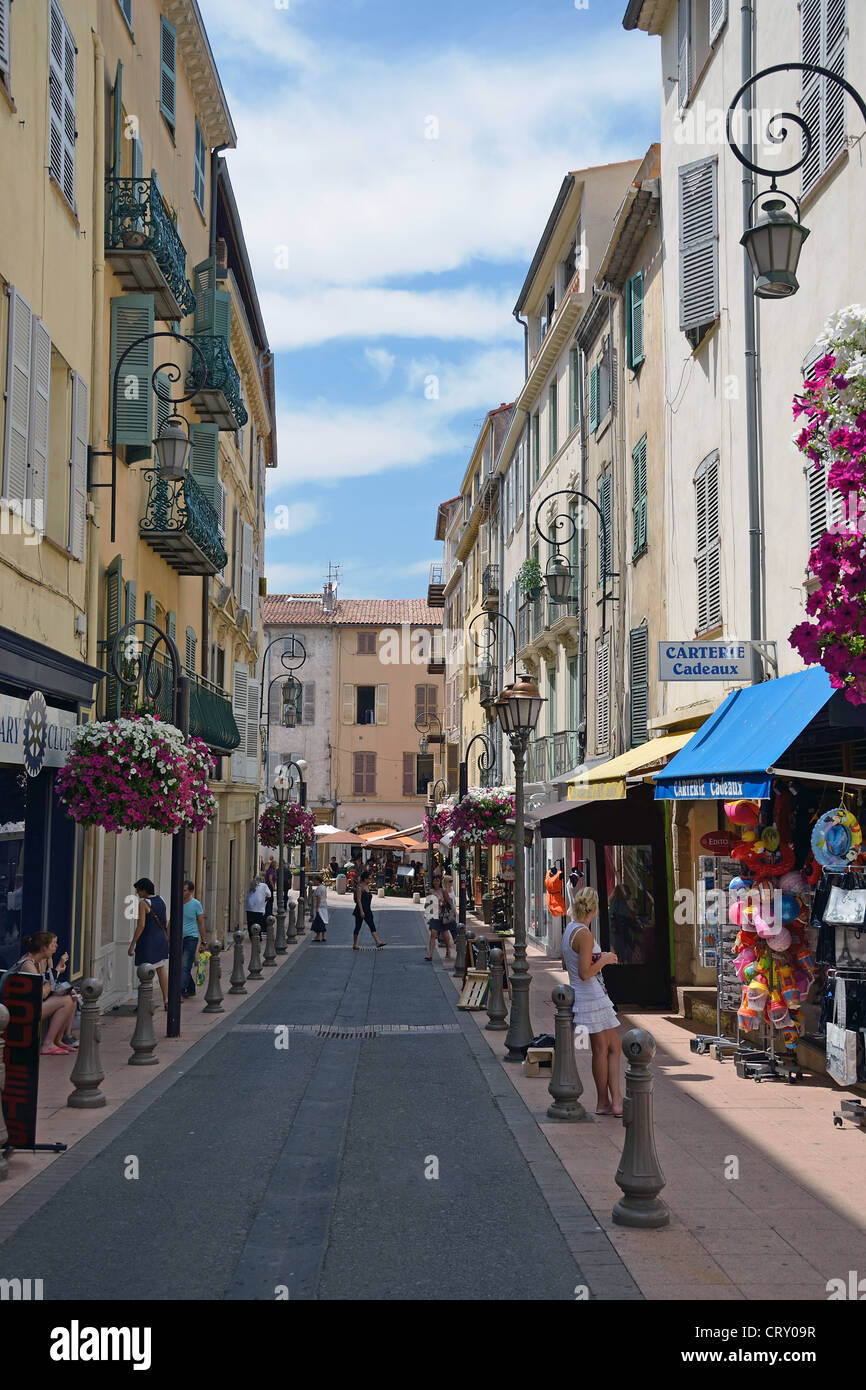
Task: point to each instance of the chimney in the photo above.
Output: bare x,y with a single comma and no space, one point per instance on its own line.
222,254
328,598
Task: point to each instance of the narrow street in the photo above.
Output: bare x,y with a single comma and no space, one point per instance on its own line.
261,1166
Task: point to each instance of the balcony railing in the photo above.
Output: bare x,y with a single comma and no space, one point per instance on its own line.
436,587
211,717
490,588
219,400
554,755
144,248
181,525
533,619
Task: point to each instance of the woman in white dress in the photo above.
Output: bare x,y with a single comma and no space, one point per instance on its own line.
593,1012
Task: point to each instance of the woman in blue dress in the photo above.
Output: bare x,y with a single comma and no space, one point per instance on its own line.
149,944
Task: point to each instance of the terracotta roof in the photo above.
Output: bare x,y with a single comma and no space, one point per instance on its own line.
299,610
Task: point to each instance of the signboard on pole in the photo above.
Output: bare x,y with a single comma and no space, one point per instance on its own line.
704,661
22,996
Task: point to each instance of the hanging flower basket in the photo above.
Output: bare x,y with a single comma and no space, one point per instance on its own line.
435,826
481,817
300,826
833,405
137,774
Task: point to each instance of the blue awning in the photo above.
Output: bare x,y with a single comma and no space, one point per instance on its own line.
728,757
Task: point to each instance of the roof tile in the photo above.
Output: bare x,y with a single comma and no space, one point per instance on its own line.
299,610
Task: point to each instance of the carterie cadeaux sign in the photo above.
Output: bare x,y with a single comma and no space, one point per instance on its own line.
704,661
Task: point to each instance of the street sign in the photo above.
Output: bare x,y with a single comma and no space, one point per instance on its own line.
704,661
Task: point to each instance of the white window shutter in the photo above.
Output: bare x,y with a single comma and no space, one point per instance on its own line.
19,365
308,707
61,103
252,741
4,36
78,468
240,686
236,579
684,24
40,416
699,244
602,697
348,714
381,709
246,567
718,15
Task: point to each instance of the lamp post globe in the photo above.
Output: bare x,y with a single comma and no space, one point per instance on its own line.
290,691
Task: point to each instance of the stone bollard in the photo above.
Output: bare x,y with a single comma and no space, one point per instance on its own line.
483,963
496,1010
270,951
214,996
292,932
143,1040
639,1173
340,886
4,1136
467,963
565,1084
460,954
281,944
238,979
299,921
87,1072
255,970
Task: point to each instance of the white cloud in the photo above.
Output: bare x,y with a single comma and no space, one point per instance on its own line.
305,319
381,361
291,519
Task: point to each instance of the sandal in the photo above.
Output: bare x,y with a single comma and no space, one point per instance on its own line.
380,944
54,1051
428,957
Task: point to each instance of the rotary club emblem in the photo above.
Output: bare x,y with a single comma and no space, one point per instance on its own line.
35,726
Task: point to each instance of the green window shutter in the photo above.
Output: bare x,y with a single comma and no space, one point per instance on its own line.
117,117
149,607
171,625
572,389
137,158
200,163
638,673
639,495
131,603
168,70
223,315
131,318
593,400
113,624
204,461
204,285
553,410
191,645
604,532
635,320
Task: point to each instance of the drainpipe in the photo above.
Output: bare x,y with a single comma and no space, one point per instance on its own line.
581,570
756,538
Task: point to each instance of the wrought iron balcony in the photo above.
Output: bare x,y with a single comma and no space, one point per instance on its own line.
490,589
532,621
211,717
436,587
181,525
219,400
143,246
554,756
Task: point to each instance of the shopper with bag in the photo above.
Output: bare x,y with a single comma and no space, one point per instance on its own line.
193,936
320,909
441,914
149,943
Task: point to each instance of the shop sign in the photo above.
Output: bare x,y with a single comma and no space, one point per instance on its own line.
34,733
704,661
716,842
22,996
748,786
612,790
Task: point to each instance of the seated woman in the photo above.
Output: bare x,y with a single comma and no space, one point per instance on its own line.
57,1009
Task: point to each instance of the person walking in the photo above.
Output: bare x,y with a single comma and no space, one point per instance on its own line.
271,875
320,909
59,1008
363,910
149,944
441,914
259,898
593,1012
193,937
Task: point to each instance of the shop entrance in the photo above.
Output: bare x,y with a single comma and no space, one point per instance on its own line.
629,924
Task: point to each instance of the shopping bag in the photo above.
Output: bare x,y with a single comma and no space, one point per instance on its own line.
201,968
841,1042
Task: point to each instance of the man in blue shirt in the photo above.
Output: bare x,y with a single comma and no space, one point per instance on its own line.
193,936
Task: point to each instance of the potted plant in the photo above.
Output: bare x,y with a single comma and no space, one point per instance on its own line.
530,578
487,901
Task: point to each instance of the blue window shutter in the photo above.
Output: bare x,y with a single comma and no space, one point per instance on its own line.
131,318
635,320
204,461
223,315
200,162
593,400
168,70
204,285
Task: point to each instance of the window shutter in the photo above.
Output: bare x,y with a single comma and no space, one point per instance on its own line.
200,156
247,567
370,774
834,97
204,285
684,36
204,461
432,699
117,119
825,505
130,601
638,669
149,607
163,400
113,624
348,707
605,538
593,400
191,644
131,318
78,468
168,70
236,577
19,366
39,422
718,15
222,496
240,684
308,709
602,697
4,36
381,708
634,316
553,411
408,774
223,315
639,491
708,553
61,103
252,739
126,6
171,625
699,244
572,388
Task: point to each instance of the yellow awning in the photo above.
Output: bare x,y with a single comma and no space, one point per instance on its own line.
606,782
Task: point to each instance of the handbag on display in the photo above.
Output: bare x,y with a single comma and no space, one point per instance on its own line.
201,968
841,1041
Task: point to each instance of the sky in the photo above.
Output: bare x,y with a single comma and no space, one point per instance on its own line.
397,161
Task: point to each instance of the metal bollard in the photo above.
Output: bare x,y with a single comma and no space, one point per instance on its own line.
214,996
483,962
143,1040
4,1135
639,1173
255,970
565,1084
281,944
301,908
496,1010
460,955
270,952
87,1072
238,979
467,963
292,933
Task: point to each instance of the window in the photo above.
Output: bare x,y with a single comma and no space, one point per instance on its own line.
550,305
364,774
634,320
605,535
365,704
593,400
699,23
605,381
639,498
126,9
200,164
551,418
638,674
573,694
826,506
420,773
536,447
602,697
61,104
573,390
699,248
708,557
307,703
551,700
426,701
366,643
569,266
168,70
4,41
822,104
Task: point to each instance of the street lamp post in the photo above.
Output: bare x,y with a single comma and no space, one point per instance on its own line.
422,724
282,791
431,811
300,767
486,761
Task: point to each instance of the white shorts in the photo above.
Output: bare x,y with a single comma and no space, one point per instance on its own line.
596,1018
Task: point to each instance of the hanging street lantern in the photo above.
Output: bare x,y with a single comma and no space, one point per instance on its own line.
291,690
559,579
774,242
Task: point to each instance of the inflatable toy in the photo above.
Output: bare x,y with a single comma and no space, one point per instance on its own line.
743,812
836,839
